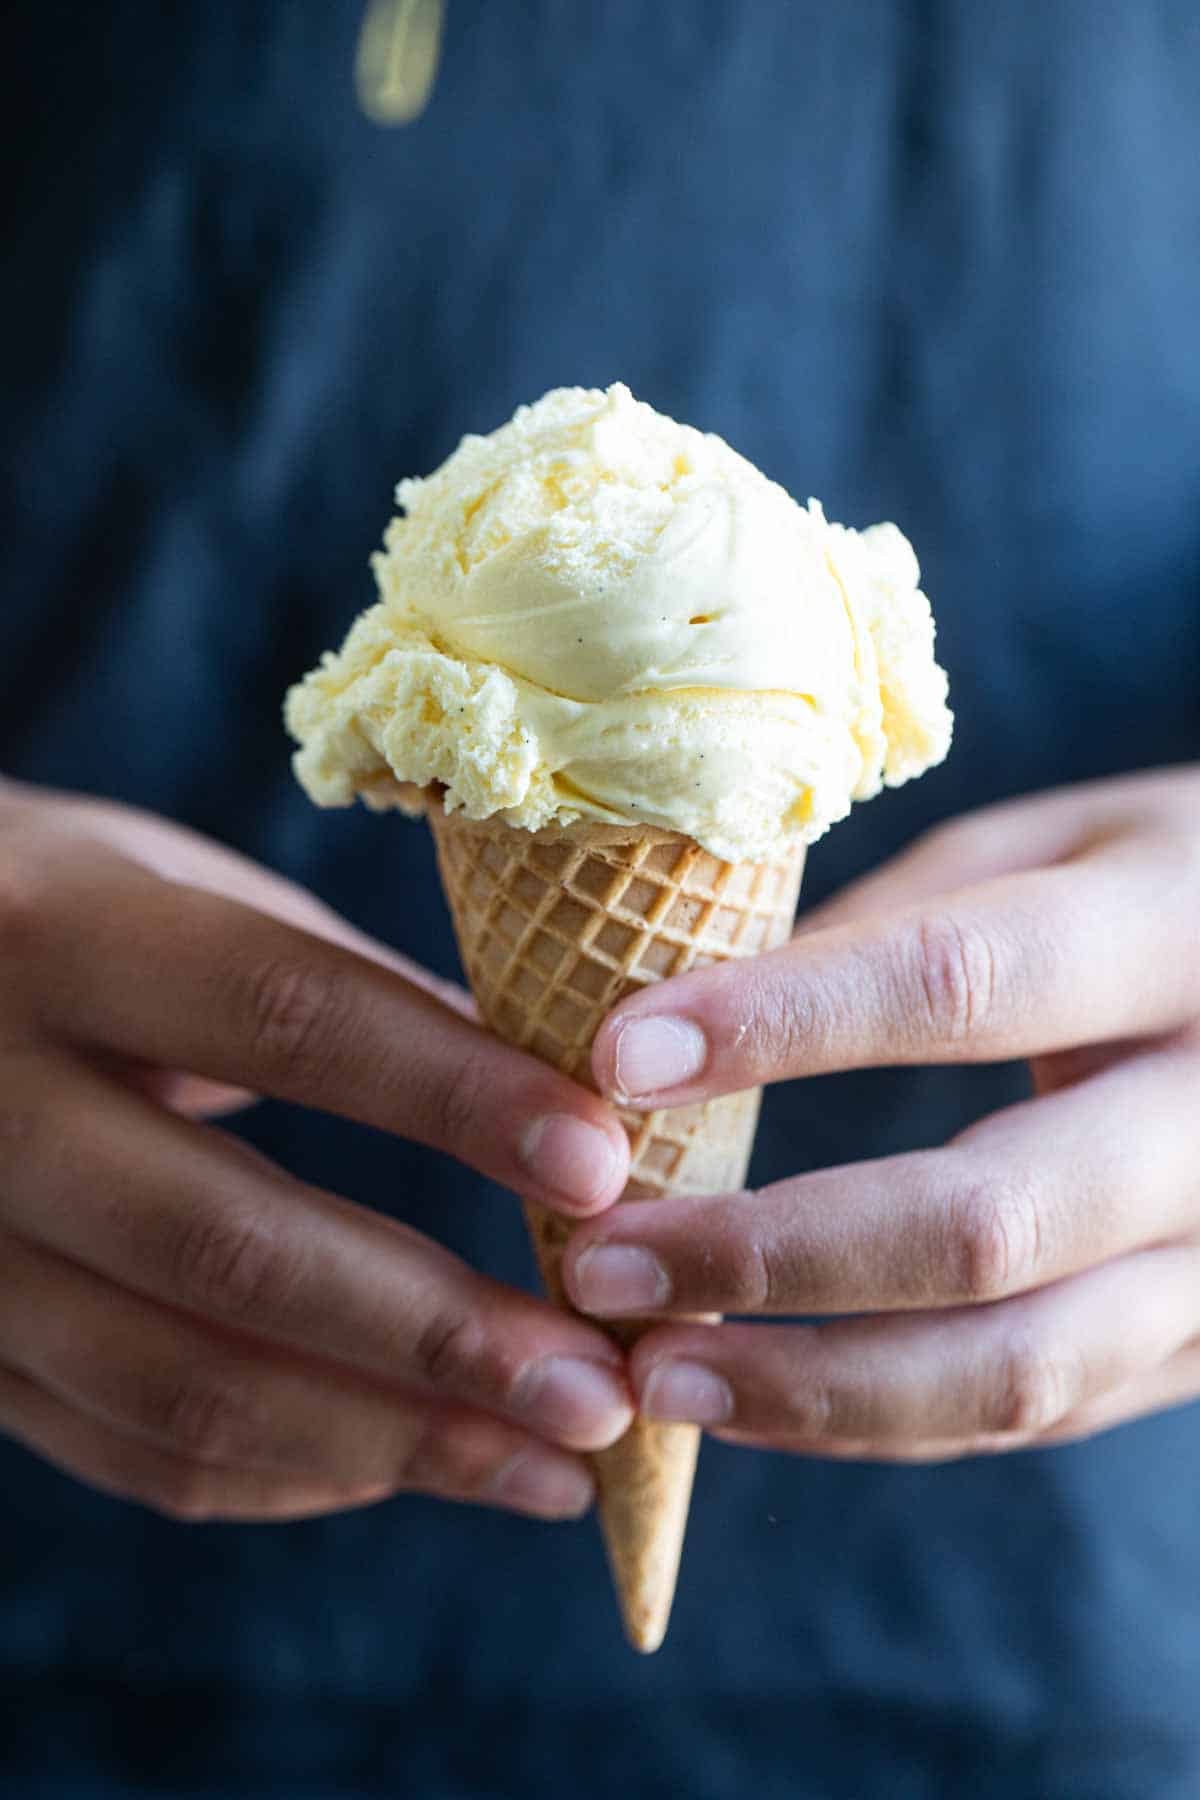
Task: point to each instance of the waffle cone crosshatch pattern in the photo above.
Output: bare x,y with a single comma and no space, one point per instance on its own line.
554,928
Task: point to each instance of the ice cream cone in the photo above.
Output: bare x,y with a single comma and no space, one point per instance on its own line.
591,616
554,927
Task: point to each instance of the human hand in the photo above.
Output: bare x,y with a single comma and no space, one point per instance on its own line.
1035,1280
182,1322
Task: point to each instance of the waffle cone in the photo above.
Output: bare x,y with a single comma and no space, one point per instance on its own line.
554,928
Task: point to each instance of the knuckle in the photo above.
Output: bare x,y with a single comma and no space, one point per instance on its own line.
995,1239
813,1411
293,1016
454,1099
782,1023
956,974
196,1414
751,1280
438,1459
454,1353
421,1461
1037,1388
233,1265
455,1456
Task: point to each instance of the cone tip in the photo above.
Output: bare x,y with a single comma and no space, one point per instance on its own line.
647,1637
646,1613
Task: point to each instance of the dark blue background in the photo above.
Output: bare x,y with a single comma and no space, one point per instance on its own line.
932,262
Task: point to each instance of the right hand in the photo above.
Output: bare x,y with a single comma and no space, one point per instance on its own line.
182,1322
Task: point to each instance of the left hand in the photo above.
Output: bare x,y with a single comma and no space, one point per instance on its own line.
1035,1280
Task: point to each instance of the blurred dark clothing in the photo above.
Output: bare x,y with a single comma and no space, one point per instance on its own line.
935,262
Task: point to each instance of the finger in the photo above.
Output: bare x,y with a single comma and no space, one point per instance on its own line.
999,840
1010,1371
940,1404
196,1221
135,1369
130,1469
1014,835
1019,966
1037,1192
221,990
923,1450
176,854
1175,1383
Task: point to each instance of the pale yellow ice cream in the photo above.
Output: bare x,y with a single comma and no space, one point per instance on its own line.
597,613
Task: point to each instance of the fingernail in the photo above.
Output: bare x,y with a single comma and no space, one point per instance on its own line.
617,1278
583,1403
687,1393
652,1054
539,1482
577,1160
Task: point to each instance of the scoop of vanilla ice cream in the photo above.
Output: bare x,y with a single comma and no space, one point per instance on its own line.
597,613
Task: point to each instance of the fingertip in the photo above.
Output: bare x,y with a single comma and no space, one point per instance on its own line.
644,1056
544,1484
604,1056
619,1170
580,1165
610,1280
605,1119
